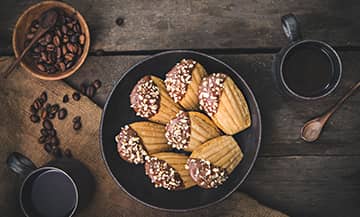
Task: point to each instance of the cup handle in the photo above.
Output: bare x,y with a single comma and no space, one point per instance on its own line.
20,164
291,27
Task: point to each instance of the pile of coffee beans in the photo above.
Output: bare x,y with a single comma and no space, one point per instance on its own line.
60,47
43,111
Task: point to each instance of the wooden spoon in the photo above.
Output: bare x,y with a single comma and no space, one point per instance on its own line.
47,20
312,129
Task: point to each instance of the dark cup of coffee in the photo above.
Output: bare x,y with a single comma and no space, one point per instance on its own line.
57,189
305,69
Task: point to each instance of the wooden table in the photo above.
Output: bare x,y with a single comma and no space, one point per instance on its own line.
298,178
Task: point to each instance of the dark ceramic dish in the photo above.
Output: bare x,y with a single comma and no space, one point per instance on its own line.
131,178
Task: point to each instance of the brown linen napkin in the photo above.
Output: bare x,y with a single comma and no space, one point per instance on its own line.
18,133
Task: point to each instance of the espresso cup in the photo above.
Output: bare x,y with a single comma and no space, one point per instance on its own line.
305,69
57,189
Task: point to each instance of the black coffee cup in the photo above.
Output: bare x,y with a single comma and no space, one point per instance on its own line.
57,189
305,69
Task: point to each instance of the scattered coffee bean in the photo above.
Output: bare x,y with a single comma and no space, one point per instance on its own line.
76,96
34,118
51,116
67,153
44,132
76,119
54,141
90,91
42,139
77,126
44,96
37,104
44,113
47,124
97,84
47,147
54,108
62,114
48,106
120,21
52,132
32,109
56,151
65,98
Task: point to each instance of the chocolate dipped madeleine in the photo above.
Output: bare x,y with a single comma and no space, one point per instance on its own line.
211,163
189,130
167,170
182,83
150,100
223,101
140,139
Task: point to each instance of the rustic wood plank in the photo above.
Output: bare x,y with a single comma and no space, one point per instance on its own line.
282,117
307,186
166,24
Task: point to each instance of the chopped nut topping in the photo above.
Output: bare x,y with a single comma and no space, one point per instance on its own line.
178,131
205,174
178,78
210,91
162,174
145,97
129,146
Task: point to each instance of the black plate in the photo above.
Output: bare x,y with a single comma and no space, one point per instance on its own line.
131,178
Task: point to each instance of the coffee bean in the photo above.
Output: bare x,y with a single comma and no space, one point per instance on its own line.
77,126
70,25
48,106
47,147
42,139
33,29
54,141
30,36
56,40
76,119
44,114
37,50
90,91
44,96
47,124
67,153
50,47
62,114
58,53
52,132
34,118
51,70
42,41
76,96
64,29
33,110
62,66
79,51
74,38
54,108
120,21
97,84
48,38
69,65
76,28
51,116
70,33
41,67
65,98
56,151
82,39
65,38
71,47
44,132
69,56
37,104
43,56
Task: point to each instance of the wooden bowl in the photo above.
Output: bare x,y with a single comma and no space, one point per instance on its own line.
22,27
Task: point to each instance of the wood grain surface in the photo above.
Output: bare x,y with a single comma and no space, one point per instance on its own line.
163,24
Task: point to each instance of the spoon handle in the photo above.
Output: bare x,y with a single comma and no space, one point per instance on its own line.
39,33
340,102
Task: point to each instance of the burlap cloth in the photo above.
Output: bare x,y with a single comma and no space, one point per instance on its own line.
17,133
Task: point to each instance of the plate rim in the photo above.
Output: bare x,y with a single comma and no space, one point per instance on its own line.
197,207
